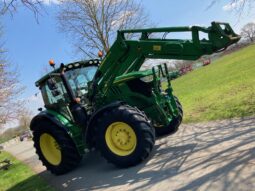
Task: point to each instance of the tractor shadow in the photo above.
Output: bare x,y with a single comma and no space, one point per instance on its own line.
218,155
95,173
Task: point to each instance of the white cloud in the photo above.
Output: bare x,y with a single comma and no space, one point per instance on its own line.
233,5
122,17
50,2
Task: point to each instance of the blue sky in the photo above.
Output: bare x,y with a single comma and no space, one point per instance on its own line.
30,45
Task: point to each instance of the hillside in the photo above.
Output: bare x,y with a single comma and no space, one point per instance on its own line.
224,89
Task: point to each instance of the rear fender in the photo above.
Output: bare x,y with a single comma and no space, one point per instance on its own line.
62,122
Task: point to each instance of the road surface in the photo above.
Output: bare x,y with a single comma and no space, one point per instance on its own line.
207,156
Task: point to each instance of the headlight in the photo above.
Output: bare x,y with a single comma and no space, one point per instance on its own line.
147,78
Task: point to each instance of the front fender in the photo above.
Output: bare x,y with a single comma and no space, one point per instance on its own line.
62,122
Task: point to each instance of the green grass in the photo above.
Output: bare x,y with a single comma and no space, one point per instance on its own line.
224,89
20,177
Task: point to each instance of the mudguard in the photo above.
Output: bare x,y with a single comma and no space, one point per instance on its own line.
62,122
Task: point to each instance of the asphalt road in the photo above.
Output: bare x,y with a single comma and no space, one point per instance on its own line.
207,156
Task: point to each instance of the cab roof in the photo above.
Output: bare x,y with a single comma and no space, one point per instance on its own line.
70,66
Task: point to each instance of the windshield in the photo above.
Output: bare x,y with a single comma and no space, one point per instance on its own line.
78,79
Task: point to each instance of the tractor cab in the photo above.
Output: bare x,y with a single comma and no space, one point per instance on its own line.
78,75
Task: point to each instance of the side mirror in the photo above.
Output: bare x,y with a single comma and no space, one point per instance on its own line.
55,92
52,84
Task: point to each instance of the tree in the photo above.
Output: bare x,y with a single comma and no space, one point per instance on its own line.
10,6
92,24
24,119
10,105
248,31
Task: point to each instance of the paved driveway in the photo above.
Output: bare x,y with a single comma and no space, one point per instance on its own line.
207,156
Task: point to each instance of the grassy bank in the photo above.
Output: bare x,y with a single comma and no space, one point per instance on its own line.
224,89
20,177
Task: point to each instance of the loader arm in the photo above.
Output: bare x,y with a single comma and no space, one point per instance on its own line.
127,56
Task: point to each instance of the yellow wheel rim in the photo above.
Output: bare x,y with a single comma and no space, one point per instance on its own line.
120,138
50,149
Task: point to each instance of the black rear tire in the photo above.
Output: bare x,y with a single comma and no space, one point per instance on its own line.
134,119
173,126
70,157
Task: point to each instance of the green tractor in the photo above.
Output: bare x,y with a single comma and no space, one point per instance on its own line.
110,105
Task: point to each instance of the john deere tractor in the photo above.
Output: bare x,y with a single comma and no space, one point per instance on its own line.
111,105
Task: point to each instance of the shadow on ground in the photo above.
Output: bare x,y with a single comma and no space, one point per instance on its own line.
218,156
29,185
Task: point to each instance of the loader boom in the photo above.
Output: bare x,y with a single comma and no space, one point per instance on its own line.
128,55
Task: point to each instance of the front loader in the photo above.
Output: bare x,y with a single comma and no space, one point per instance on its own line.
111,105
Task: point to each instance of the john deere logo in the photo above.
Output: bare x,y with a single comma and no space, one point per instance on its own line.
157,48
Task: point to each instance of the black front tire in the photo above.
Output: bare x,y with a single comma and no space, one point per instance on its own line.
70,157
173,126
135,119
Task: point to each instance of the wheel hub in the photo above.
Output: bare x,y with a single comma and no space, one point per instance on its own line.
121,138
50,149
